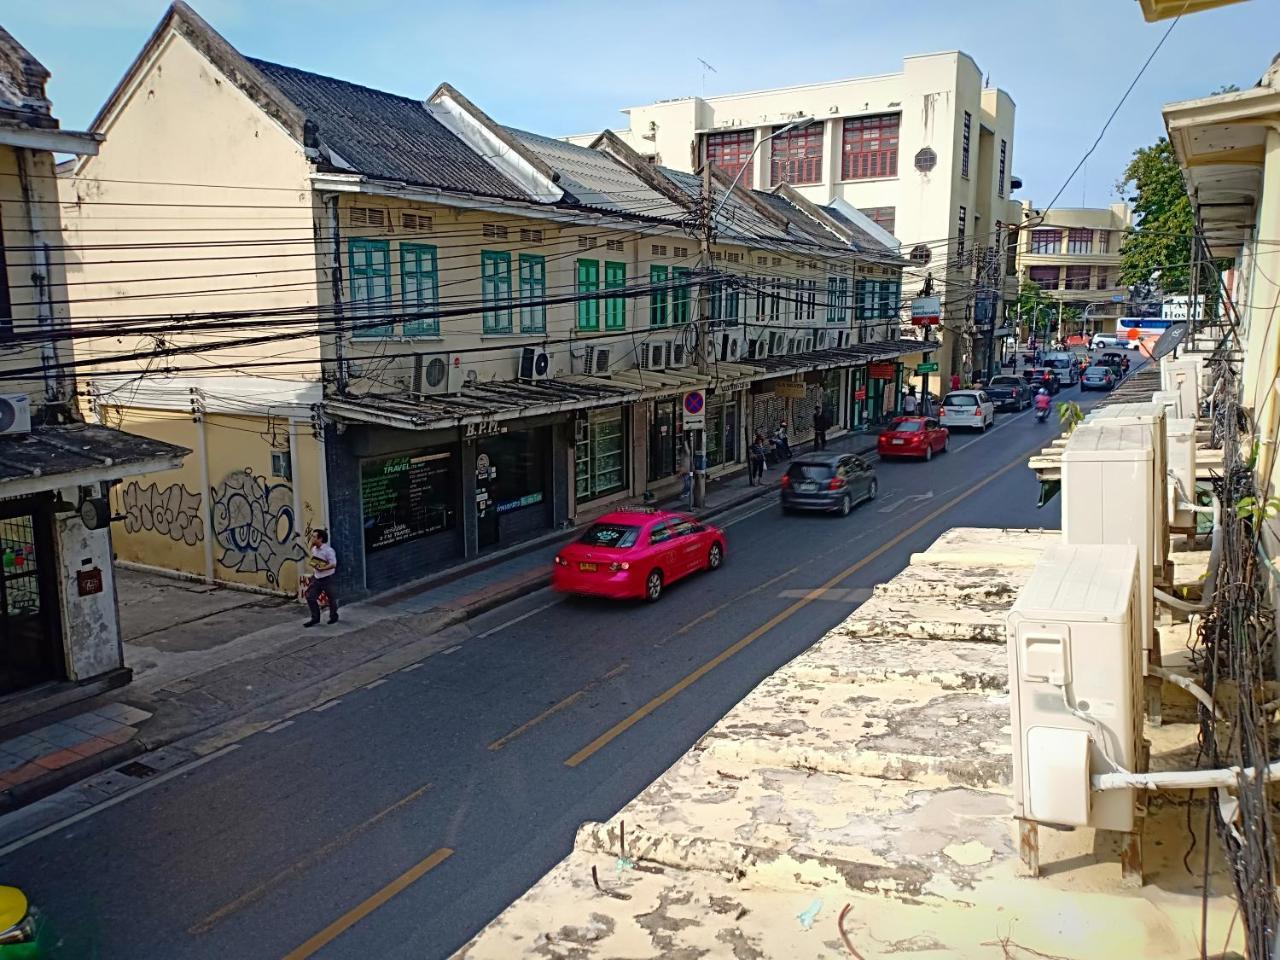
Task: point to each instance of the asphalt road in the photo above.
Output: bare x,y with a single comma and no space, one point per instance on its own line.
397,821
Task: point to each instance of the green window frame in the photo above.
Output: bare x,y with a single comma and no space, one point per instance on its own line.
369,281
615,308
732,305
659,297
588,282
835,309
495,281
600,456
842,298
682,301
533,293
419,288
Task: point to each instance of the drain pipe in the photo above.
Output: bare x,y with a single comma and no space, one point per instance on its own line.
1183,779
1187,684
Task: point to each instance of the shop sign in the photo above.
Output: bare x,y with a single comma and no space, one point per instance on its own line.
695,410
406,497
882,371
926,311
926,368
485,428
528,500
790,390
860,393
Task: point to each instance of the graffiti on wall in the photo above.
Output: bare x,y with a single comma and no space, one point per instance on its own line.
254,524
172,512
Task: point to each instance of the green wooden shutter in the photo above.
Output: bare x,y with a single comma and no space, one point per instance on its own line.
533,290
658,296
419,288
495,274
369,265
588,282
615,308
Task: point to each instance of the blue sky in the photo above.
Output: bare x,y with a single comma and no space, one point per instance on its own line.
566,66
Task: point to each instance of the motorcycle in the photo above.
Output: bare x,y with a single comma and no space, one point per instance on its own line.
1042,415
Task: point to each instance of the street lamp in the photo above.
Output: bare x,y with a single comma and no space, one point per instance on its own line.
801,122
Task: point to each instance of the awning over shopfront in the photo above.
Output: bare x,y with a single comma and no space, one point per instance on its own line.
479,403
78,454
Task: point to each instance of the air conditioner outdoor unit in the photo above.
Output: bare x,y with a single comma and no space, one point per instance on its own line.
15,413
1151,416
1181,435
585,359
535,364
1075,686
1171,400
677,354
807,345
601,362
729,347
791,344
437,373
1183,375
653,356
1108,497
820,339
757,348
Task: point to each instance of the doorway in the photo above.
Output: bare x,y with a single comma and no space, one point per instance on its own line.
30,634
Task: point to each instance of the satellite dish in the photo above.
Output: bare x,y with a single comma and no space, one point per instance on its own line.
1169,340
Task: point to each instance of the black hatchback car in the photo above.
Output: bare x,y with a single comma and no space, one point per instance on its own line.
834,482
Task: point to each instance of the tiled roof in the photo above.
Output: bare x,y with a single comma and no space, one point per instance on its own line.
386,136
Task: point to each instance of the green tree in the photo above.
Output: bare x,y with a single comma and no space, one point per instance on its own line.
1156,252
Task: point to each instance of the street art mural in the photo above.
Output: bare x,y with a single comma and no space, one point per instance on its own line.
253,522
173,512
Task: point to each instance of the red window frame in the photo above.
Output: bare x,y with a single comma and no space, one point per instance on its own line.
884,216
1046,241
1046,278
869,146
730,152
1080,240
796,156
1077,278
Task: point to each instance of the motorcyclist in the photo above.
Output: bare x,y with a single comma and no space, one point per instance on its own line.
1042,403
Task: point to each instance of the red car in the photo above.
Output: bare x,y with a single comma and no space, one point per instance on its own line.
636,553
913,437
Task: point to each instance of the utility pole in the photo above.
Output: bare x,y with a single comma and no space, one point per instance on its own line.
925,406
702,332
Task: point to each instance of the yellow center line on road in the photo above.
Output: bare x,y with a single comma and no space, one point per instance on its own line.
362,910
817,593
302,865
559,705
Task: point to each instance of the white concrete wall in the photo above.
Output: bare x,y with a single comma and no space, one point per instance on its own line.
90,624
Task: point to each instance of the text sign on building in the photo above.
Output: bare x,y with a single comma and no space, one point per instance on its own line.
926,311
790,389
926,368
695,410
882,371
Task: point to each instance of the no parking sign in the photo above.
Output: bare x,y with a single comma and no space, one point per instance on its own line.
695,410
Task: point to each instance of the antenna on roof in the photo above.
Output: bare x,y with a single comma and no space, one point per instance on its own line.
705,67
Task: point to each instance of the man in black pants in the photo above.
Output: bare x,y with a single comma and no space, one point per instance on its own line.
323,563
819,429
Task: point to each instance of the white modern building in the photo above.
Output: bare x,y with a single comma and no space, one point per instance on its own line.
926,153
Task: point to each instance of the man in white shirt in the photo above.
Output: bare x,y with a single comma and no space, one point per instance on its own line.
323,563
909,403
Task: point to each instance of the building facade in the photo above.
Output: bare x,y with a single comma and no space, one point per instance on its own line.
926,153
59,624
434,335
1073,255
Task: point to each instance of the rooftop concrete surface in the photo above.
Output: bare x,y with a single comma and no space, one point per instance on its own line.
872,772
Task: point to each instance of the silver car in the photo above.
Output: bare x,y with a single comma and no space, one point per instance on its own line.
832,482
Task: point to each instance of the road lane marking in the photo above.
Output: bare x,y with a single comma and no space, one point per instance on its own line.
559,706
514,620
377,683
362,910
817,593
327,705
282,725
118,798
300,866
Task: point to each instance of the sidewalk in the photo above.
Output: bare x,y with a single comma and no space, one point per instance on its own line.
221,664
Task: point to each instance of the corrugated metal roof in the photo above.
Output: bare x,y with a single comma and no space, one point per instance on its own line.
47,452
386,136
592,178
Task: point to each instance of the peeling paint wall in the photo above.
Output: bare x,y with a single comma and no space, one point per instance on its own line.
90,623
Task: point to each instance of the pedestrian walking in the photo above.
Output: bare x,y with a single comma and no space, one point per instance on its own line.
955,382
819,429
755,460
909,403
323,564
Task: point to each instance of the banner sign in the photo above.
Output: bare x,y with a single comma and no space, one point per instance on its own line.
926,311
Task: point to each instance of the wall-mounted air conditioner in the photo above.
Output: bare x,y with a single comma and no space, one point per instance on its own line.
437,373
678,355
820,339
1108,497
15,413
1075,686
1171,400
602,358
535,364
806,344
757,348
